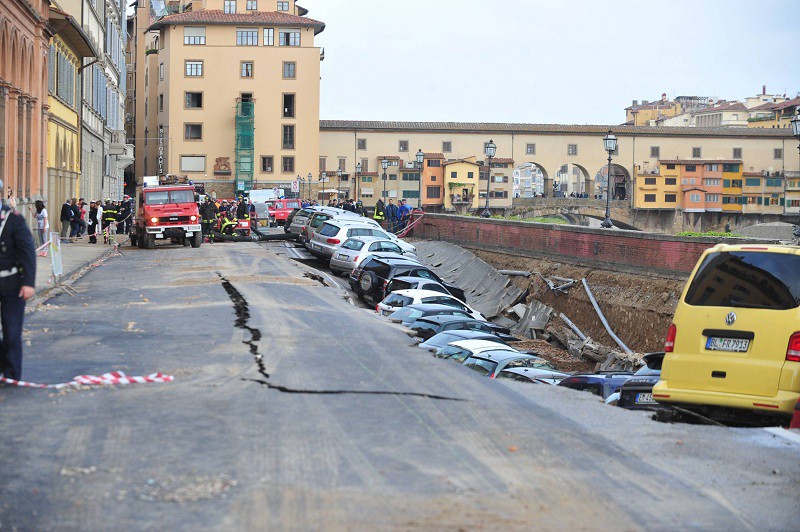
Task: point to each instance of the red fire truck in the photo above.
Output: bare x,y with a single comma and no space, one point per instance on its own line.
167,211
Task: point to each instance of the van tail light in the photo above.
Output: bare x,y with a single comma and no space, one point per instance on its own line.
333,241
669,343
793,351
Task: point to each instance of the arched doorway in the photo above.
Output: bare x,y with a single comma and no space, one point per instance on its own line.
620,183
529,180
571,180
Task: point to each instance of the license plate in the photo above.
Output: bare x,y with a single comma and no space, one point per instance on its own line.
386,312
644,398
315,246
341,256
734,345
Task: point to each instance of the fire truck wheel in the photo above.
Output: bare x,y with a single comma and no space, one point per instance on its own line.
134,241
185,241
196,240
150,242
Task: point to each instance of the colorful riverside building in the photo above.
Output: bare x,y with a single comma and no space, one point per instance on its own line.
763,193
692,185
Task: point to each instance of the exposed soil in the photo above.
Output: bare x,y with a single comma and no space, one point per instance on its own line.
639,308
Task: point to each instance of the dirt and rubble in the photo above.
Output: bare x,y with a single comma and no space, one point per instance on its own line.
638,308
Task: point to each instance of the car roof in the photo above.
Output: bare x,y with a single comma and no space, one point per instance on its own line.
476,346
410,278
369,239
466,334
502,355
417,292
445,318
765,248
395,259
433,306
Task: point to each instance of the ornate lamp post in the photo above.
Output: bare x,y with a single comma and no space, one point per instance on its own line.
338,183
385,166
299,186
490,149
322,179
610,141
420,161
310,176
355,185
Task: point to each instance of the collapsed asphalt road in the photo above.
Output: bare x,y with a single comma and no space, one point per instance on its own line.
225,447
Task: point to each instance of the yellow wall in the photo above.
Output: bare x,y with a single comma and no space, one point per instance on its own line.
462,170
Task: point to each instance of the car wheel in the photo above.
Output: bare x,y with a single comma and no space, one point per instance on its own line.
367,281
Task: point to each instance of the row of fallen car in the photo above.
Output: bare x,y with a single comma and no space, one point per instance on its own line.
732,353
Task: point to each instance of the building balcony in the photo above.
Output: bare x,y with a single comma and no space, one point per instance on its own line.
459,199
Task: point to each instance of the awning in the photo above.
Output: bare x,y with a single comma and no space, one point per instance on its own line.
368,191
65,26
329,191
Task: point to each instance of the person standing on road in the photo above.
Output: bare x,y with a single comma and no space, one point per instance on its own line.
42,223
92,223
241,210
124,225
109,222
380,212
391,216
208,216
17,281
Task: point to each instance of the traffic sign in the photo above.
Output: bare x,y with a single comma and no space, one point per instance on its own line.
295,186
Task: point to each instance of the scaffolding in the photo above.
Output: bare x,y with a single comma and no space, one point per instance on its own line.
245,132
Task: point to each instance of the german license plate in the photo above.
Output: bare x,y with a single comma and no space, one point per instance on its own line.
644,399
734,345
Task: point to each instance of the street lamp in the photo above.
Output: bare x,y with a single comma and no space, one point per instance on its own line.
491,150
796,127
610,141
420,160
385,166
310,176
355,185
322,179
338,183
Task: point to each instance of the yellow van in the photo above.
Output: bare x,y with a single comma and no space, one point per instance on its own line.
733,350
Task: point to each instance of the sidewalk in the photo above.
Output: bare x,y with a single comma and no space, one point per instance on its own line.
74,257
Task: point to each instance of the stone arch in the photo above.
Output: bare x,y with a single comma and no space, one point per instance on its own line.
14,62
621,184
538,177
4,51
571,178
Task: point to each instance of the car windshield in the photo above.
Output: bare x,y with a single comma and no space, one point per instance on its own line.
425,328
747,279
396,300
404,314
291,205
353,244
398,284
317,220
530,363
163,197
482,366
456,353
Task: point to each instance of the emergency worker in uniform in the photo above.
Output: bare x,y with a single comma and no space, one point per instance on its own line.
109,221
17,281
380,212
208,215
241,210
227,226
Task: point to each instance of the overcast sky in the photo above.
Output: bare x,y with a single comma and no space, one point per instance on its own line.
547,61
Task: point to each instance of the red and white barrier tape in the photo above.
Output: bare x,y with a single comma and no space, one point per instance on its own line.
107,379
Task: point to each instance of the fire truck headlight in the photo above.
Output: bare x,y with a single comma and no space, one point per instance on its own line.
193,218
154,220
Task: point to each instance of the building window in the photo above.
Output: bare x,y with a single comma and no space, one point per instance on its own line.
470,175
670,167
778,153
289,70
655,152
365,165
246,70
361,144
694,198
193,69
288,105
392,177
736,183
343,164
670,181
269,37
691,168
712,198
410,176
288,137
289,38
572,149
266,164
409,194
670,198
193,132
730,168
288,165
229,6
246,37
697,152
447,146
711,182
160,102
194,100
402,146
737,153
194,35
283,6
323,164
366,179
530,149
251,5
434,163
161,71
752,182
193,163
649,180
453,175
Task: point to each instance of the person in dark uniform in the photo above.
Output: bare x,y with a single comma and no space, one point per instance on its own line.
17,281
92,223
208,217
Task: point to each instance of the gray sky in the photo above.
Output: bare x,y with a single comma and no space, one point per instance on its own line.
547,61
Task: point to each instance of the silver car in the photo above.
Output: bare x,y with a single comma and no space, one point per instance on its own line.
327,239
355,249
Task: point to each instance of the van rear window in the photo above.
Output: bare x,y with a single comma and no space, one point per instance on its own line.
328,230
747,279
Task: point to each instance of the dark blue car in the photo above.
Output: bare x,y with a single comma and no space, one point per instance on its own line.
602,384
637,392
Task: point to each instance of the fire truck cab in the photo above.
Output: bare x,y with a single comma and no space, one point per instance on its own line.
167,210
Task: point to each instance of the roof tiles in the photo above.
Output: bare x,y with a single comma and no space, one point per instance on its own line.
254,18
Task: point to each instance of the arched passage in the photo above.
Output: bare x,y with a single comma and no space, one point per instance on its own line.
571,180
620,182
529,179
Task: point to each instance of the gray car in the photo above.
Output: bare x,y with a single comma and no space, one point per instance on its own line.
357,248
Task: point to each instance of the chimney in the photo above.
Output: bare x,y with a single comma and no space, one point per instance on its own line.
635,103
663,96
763,90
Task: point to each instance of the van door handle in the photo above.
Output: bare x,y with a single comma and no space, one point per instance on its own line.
718,374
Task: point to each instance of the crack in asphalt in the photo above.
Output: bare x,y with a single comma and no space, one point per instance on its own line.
242,309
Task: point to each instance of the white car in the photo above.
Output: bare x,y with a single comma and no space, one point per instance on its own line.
534,375
402,298
325,241
463,349
356,249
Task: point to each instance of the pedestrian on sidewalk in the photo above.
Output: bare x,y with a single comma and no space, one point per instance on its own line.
93,222
42,222
75,222
17,281
65,218
82,207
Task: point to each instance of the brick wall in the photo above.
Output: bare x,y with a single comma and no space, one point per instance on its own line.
633,251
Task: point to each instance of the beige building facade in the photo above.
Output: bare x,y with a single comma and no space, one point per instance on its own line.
230,94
